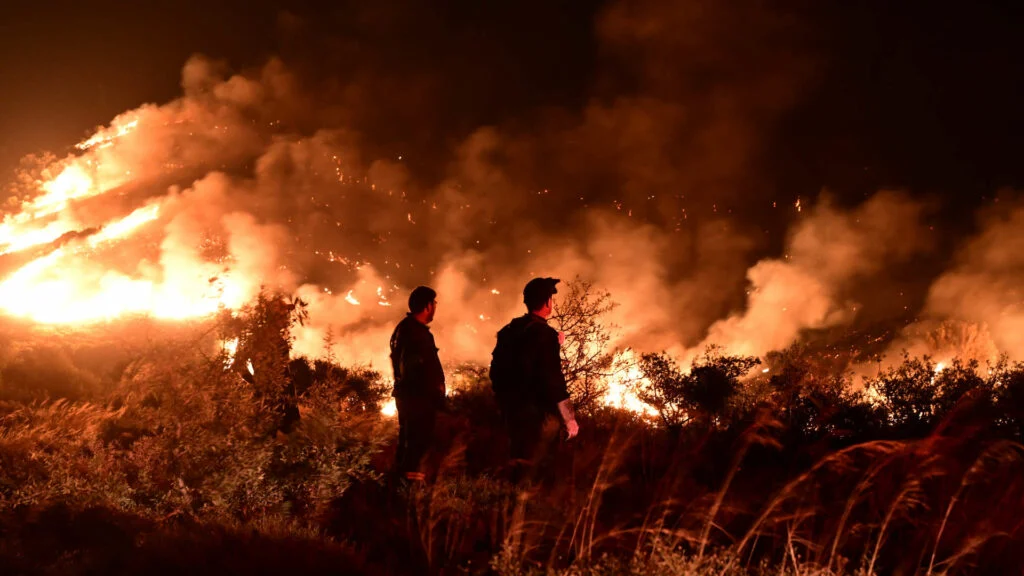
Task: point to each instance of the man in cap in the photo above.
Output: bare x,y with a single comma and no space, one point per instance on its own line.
526,373
419,383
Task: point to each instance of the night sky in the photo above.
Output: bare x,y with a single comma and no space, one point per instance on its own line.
918,95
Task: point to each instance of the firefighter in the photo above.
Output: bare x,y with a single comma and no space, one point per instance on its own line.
526,373
419,383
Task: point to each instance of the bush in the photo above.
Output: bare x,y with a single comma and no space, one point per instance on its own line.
708,392
745,472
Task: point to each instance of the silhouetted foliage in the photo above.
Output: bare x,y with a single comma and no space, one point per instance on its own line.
793,468
709,391
586,361
814,402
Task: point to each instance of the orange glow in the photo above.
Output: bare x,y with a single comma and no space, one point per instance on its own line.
125,226
622,385
106,137
13,241
59,289
72,183
351,299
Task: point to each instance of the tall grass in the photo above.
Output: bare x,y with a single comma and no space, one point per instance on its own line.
792,472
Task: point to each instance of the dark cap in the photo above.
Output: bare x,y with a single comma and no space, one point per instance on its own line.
420,298
538,290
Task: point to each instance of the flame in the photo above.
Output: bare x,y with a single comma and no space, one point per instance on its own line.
230,348
351,299
77,179
389,409
105,138
56,289
72,183
14,241
21,231
383,299
74,282
624,381
126,225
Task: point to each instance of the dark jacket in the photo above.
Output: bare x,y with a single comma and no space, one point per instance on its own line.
540,366
414,360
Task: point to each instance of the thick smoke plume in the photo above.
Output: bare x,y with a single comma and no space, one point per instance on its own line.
653,189
809,288
974,309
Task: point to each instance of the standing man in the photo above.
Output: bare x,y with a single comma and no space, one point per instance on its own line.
419,383
526,373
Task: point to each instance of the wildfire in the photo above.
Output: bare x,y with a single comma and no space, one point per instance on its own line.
230,349
72,183
622,385
351,299
106,138
13,241
382,298
126,225
55,288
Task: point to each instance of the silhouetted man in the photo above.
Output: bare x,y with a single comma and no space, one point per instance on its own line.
419,383
526,372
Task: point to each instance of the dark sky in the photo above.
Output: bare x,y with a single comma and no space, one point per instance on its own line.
922,95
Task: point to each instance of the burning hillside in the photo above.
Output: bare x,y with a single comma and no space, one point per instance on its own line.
180,210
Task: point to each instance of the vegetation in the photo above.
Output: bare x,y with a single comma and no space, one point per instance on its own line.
164,458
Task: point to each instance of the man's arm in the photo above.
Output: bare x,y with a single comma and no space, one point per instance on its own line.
554,381
549,364
421,365
433,372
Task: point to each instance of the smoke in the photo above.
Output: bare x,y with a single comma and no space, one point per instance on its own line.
973,310
654,187
809,288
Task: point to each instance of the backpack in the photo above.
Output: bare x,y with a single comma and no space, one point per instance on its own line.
508,368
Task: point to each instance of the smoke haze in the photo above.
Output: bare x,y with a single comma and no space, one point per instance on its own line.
653,185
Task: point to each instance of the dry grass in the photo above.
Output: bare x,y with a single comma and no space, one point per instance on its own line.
788,474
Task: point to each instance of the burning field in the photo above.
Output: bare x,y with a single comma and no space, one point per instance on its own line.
767,381
178,211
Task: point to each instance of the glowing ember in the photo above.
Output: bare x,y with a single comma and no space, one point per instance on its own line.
230,348
351,299
383,299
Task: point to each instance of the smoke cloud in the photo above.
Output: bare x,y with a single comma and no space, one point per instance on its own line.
973,309
653,187
809,288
